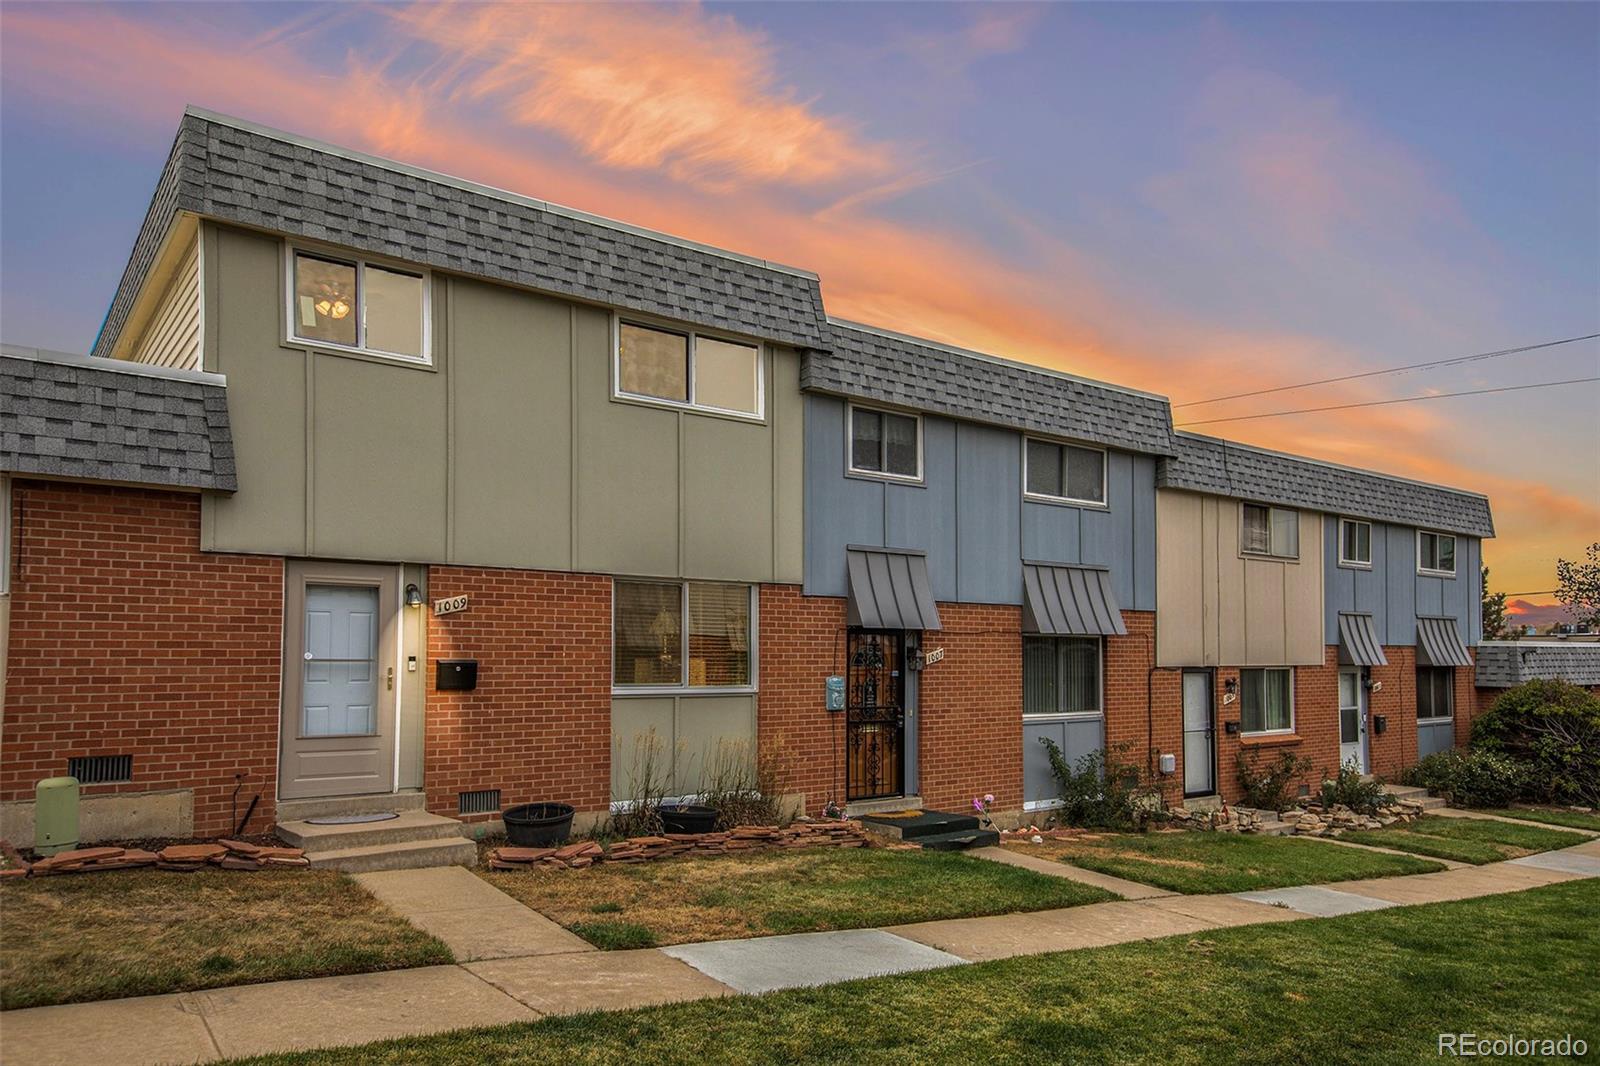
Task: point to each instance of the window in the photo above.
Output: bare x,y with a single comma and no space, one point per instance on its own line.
675,635
1064,472
1436,553
350,303
1266,700
1060,675
1355,542
689,369
885,444
1273,531
1436,692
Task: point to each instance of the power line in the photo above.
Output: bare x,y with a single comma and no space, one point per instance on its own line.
1382,403
1392,370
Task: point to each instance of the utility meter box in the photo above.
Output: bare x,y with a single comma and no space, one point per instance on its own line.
55,815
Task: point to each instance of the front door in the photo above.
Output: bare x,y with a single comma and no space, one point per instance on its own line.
1352,720
1199,735
340,632
875,717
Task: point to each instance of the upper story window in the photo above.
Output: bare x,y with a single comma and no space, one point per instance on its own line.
362,306
1064,472
885,444
1436,553
1273,531
1355,542
674,634
683,367
1266,700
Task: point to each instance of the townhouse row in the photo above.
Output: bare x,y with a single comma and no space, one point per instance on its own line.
379,481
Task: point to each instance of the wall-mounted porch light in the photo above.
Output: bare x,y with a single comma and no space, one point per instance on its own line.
413,596
1230,690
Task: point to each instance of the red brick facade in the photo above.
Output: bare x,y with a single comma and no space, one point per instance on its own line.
538,726
126,640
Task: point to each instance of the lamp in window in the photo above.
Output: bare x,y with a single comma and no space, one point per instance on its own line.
665,630
413,596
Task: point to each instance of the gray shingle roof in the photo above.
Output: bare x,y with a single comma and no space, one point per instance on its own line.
871,364
1206,464
68,416
239,172
1508,664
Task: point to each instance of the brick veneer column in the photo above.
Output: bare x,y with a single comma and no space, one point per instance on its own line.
127,639
970,719
802,643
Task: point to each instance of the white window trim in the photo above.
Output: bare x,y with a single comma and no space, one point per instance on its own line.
683,636
1269,553
5,534
1243,732
879,475
692,335
1100,679
1045,497
291,249
1455,544
1355,564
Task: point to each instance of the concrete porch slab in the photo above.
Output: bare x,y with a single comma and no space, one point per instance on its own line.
604,980
130,1032
802,960
1052,868
473,918
1566,861
1316,901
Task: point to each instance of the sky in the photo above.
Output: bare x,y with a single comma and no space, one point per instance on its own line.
1195,199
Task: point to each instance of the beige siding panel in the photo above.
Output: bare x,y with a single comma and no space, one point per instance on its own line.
632,720
171,335
510,372
266,402
1303,594
787,414
1180,629
703,723
1265,618
727,499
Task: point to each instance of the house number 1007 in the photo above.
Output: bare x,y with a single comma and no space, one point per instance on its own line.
450,606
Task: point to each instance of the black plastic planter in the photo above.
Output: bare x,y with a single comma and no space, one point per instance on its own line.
538,825
688,819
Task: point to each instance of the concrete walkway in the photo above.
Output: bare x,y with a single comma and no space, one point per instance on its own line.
553,975
1456,812
1051,868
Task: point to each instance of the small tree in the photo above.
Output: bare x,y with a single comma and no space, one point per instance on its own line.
1578,586
1494,611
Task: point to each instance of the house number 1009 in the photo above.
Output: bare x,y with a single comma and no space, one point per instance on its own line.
450,606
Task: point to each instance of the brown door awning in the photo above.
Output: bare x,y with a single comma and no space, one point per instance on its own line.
1439,643
1070,601
1358,641
889,589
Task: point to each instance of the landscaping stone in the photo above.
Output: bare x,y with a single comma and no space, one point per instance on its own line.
177,858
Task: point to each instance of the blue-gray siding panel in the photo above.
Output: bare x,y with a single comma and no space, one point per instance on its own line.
969,514
1393,592
1076,737
1434,737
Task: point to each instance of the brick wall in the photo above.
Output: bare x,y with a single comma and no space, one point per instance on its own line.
802,642
1131,689
538,726
970,718
126,639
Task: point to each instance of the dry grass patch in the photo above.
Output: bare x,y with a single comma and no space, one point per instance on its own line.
685,900
121,933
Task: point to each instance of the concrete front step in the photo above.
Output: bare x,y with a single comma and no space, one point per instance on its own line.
298,810
406,826
922,824
959,840
1212,802
882,806
1416,795
404,855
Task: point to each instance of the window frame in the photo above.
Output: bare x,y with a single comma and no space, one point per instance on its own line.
1074,501
692,334
1431,571
850,468
1100,679
1243,732
684,688
1349,563
294,249
1270,553
1449,691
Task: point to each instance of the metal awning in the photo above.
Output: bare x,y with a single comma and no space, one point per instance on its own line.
1070,601
1439,643
889,589
1358,641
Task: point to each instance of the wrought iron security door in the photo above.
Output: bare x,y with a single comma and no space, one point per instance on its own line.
875,716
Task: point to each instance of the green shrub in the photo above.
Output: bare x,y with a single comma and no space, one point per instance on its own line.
1553,727
1272,785
1101,790
1471,778
1347,789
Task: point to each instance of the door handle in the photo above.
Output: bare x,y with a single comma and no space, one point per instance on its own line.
391,679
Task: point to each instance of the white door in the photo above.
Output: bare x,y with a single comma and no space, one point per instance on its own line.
1352,719
1199,735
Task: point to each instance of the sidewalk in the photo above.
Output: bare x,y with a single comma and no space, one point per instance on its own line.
524,970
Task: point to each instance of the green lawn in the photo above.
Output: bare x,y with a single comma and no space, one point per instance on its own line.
677,901
116,933
1552,816
1474,840
1201,863
1372,988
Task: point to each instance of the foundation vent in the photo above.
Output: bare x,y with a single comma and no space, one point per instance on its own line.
484,801
100,769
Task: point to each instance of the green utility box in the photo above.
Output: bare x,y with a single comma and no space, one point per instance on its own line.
55,815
